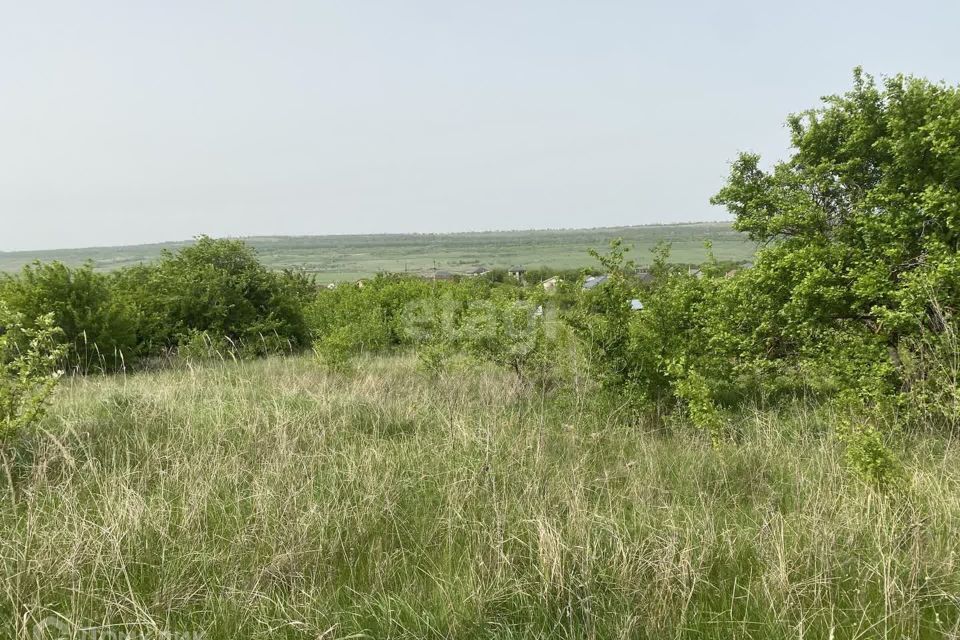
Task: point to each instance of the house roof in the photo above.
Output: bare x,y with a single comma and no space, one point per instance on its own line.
517,269
636,305
593,281
478,270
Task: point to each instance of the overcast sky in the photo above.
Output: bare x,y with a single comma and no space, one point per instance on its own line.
129,122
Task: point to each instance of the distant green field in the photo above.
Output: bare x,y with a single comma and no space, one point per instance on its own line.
354,256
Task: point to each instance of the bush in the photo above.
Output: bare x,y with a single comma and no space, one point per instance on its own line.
220,288
97,329
869,456
602,318
29,358
931,366
349,320
507,332
214,288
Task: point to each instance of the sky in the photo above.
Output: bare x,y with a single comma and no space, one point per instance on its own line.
127,122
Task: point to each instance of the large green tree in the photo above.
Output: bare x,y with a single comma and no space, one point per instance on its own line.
860,226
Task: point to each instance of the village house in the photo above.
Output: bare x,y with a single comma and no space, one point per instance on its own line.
517,272
551,284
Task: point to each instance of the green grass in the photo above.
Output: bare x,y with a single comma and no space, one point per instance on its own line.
350,257
275,499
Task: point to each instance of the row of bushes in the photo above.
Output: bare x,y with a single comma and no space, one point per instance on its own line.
216,299
216,296
119,320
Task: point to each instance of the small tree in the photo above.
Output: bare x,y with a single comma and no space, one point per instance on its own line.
505,331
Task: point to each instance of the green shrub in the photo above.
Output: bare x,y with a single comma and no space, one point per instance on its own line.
931,366
220,288
856,228
202,346
507,332
869,455
29,357
214,288
349,320
97,329
602,318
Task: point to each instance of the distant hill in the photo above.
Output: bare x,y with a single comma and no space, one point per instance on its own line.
343,257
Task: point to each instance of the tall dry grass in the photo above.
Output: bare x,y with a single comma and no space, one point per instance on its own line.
274,499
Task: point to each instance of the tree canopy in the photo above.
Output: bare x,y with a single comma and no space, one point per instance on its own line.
862,222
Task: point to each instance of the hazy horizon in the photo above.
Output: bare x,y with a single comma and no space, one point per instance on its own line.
384,233
128,123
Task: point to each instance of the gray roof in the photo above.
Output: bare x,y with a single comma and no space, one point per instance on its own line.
478,270
517,269
636,305
593,281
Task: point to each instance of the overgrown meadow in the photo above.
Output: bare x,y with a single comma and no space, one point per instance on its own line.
278,499
202,447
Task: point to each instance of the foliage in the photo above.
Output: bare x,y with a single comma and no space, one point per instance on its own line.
97,329
602,318
849,293
349,320
29,357
853,293
214,288
201,346
931,365
869,456
507,332
859,225
221,288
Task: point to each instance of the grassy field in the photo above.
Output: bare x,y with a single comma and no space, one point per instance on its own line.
350,257
276,499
